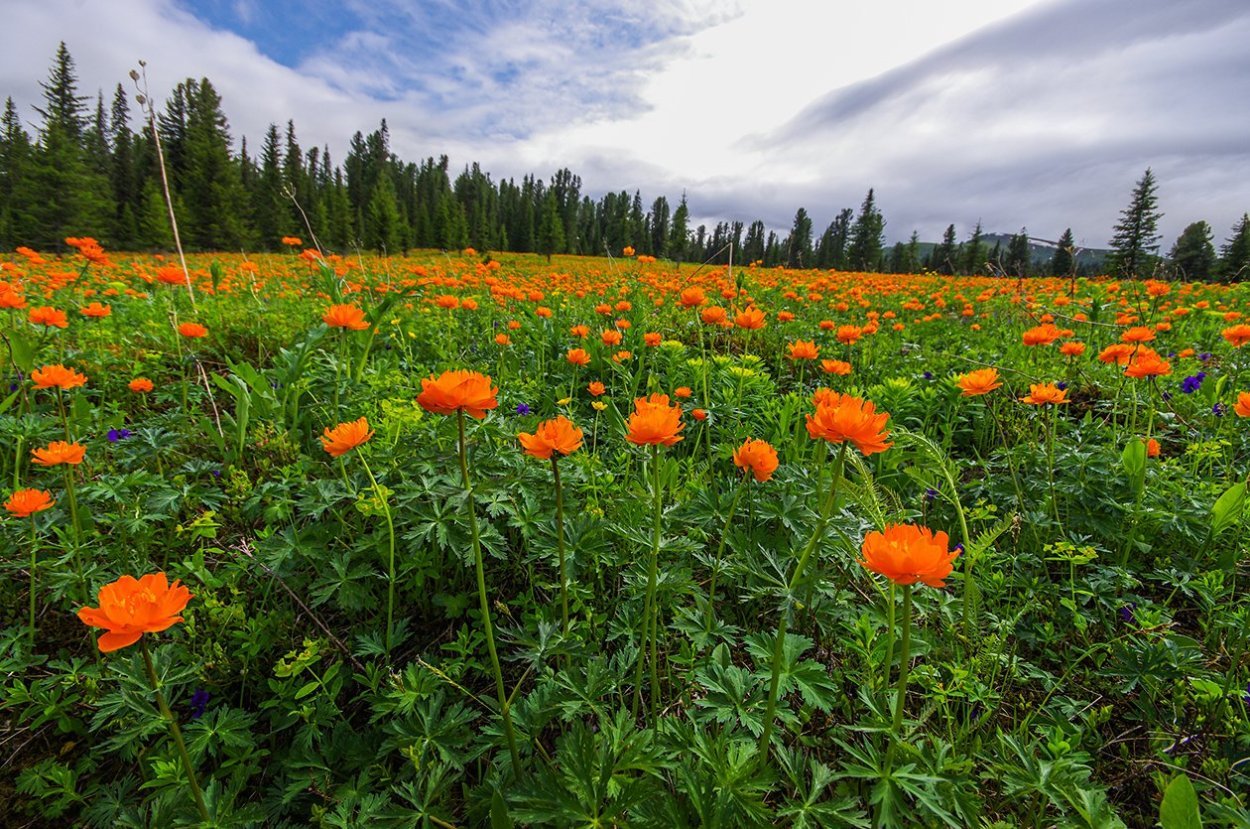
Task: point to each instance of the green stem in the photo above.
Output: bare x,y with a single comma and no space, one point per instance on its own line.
904,666
652,568
779,645
720,550
73,513
175,731
34,564
564,579
390,565
484,602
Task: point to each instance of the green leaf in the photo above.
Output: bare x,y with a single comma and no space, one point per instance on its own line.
499,817
23,353
1134,460
1228,508
1179,809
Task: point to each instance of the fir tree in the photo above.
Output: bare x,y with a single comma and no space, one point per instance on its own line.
550,226
944,255
1193,256
867,236
678,236
799,243
1235,252
973,258
1136,239
1018,260
1064,258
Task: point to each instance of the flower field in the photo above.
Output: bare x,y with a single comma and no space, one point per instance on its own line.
449,540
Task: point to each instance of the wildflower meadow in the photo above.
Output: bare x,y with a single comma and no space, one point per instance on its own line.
456,539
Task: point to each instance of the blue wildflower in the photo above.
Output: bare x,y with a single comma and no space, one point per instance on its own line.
928,375
1191,383
199,701
930,494
1061,385
1219,409
118,434
1126,613
522,409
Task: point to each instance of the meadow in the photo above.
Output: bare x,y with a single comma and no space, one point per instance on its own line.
451,540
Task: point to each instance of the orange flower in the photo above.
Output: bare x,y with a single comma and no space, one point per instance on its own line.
57,376
345,316
1138,334
1148,363
58,452
906,554
693,298
652,338
1116,353
610,337
751,319
804,350
978,382
1237,335
95,311
292,241
655,422
11,299
458,390
715,315
1040,335
698,414
345,437
838,367
192,330
849,334
582,331
578,357
1152,448
842,418
682,392
170,275
24,503
1041,394
49,316
1243,404
131,607
627,251
447,301
596,388
502,339
140,385
758,456
1072,349
557,435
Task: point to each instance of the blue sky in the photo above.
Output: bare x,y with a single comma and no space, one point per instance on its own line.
1015,113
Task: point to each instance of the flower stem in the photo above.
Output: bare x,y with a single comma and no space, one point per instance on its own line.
720,550
484,602
564,580
175,731
779,645
648,604
903,675
390,566
34,563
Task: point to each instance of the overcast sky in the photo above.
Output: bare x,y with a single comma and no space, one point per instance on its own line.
1037,113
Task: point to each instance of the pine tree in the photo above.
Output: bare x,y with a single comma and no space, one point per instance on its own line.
1235,252
210,186
1064,258
15,160
122,174
382,223
1193,256
944,255
550,226
867,236
1018,260
678,236
799,243
1136,239
973,259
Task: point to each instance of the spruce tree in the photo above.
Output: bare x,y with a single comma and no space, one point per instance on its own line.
678,236
1136,239
867,236
973,258
382,223
550,226
1235,252
1063,260
799,243
1193,256
1018,260
944,255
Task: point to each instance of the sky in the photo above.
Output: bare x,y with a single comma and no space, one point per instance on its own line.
1037,114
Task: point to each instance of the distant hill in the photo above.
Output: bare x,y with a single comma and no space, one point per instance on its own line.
1043,251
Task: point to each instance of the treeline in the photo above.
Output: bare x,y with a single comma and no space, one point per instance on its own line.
88,172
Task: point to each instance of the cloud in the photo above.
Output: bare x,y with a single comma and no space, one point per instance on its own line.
1013,112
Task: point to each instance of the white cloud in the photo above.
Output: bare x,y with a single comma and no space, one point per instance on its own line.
1010,111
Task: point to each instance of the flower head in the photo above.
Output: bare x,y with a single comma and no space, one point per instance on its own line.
140,385
803,350
655,422
345,437
458,390
58,452
906,554
1041,394
49,317
596,388
838,367
1242,408
757,456
24,503
578,357
978,382
556,435
95,311
131,607
1147,363
57,376
1237,335
345,316
192,330
842,418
